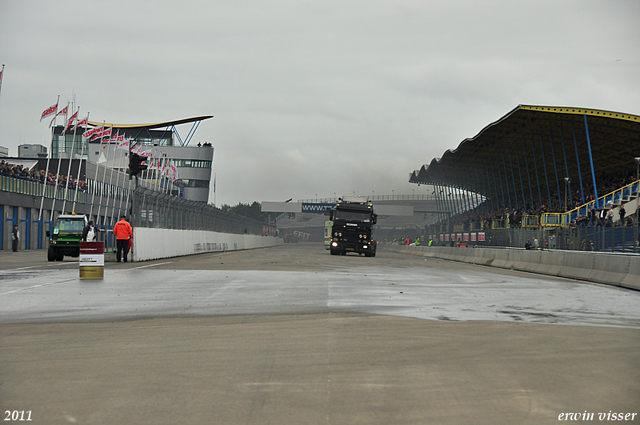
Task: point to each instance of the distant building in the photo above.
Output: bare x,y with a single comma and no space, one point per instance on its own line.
194,163
32,151
4,152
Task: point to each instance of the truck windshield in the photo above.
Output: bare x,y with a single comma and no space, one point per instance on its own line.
69,226
361,216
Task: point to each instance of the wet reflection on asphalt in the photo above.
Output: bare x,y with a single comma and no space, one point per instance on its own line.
32,296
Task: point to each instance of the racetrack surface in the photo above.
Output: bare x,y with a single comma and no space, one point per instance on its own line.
292,335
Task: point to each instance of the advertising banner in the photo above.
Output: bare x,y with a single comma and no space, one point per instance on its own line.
318,208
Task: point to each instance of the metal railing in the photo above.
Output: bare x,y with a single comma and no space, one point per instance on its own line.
34,188
614,198
156,209
374,198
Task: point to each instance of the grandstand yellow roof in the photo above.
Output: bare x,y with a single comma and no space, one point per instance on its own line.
154,125
542,137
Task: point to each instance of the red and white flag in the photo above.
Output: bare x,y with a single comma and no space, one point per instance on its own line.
49,111
174,171
92,132
103,142
64,111
123,145
73,118
106,133
82,123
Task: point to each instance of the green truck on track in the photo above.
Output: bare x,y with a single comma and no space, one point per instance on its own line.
66,237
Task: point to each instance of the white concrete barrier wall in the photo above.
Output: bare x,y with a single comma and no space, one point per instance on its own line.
152,244
612,269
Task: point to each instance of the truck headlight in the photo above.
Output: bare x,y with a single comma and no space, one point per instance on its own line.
365,246
334,244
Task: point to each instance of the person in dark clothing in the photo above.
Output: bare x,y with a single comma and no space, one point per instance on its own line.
90,232
622,213
602,216
15,238
592,217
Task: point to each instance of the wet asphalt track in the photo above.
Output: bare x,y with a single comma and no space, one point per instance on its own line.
292,335
303,278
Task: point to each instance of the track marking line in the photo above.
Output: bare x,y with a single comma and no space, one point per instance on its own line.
35,286
151,265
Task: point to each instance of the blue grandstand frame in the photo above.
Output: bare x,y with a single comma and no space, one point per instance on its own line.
566,167
575,142
593,173
544,167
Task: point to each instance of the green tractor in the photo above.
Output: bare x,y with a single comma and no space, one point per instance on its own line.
66,238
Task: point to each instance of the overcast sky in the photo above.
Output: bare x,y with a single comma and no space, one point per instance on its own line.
314,97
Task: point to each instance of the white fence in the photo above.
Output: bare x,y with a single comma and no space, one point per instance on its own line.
152,244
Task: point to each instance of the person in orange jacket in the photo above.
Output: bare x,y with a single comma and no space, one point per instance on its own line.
124,234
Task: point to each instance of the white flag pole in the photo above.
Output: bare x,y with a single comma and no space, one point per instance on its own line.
117,183
106,210
82,141
122,197
151,166
1,77
55,190
172,174
104,177
95,180
73,145
46,171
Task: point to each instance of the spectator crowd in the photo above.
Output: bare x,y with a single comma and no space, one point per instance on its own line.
20,172
605,216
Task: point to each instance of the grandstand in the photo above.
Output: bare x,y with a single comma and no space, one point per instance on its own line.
539,171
